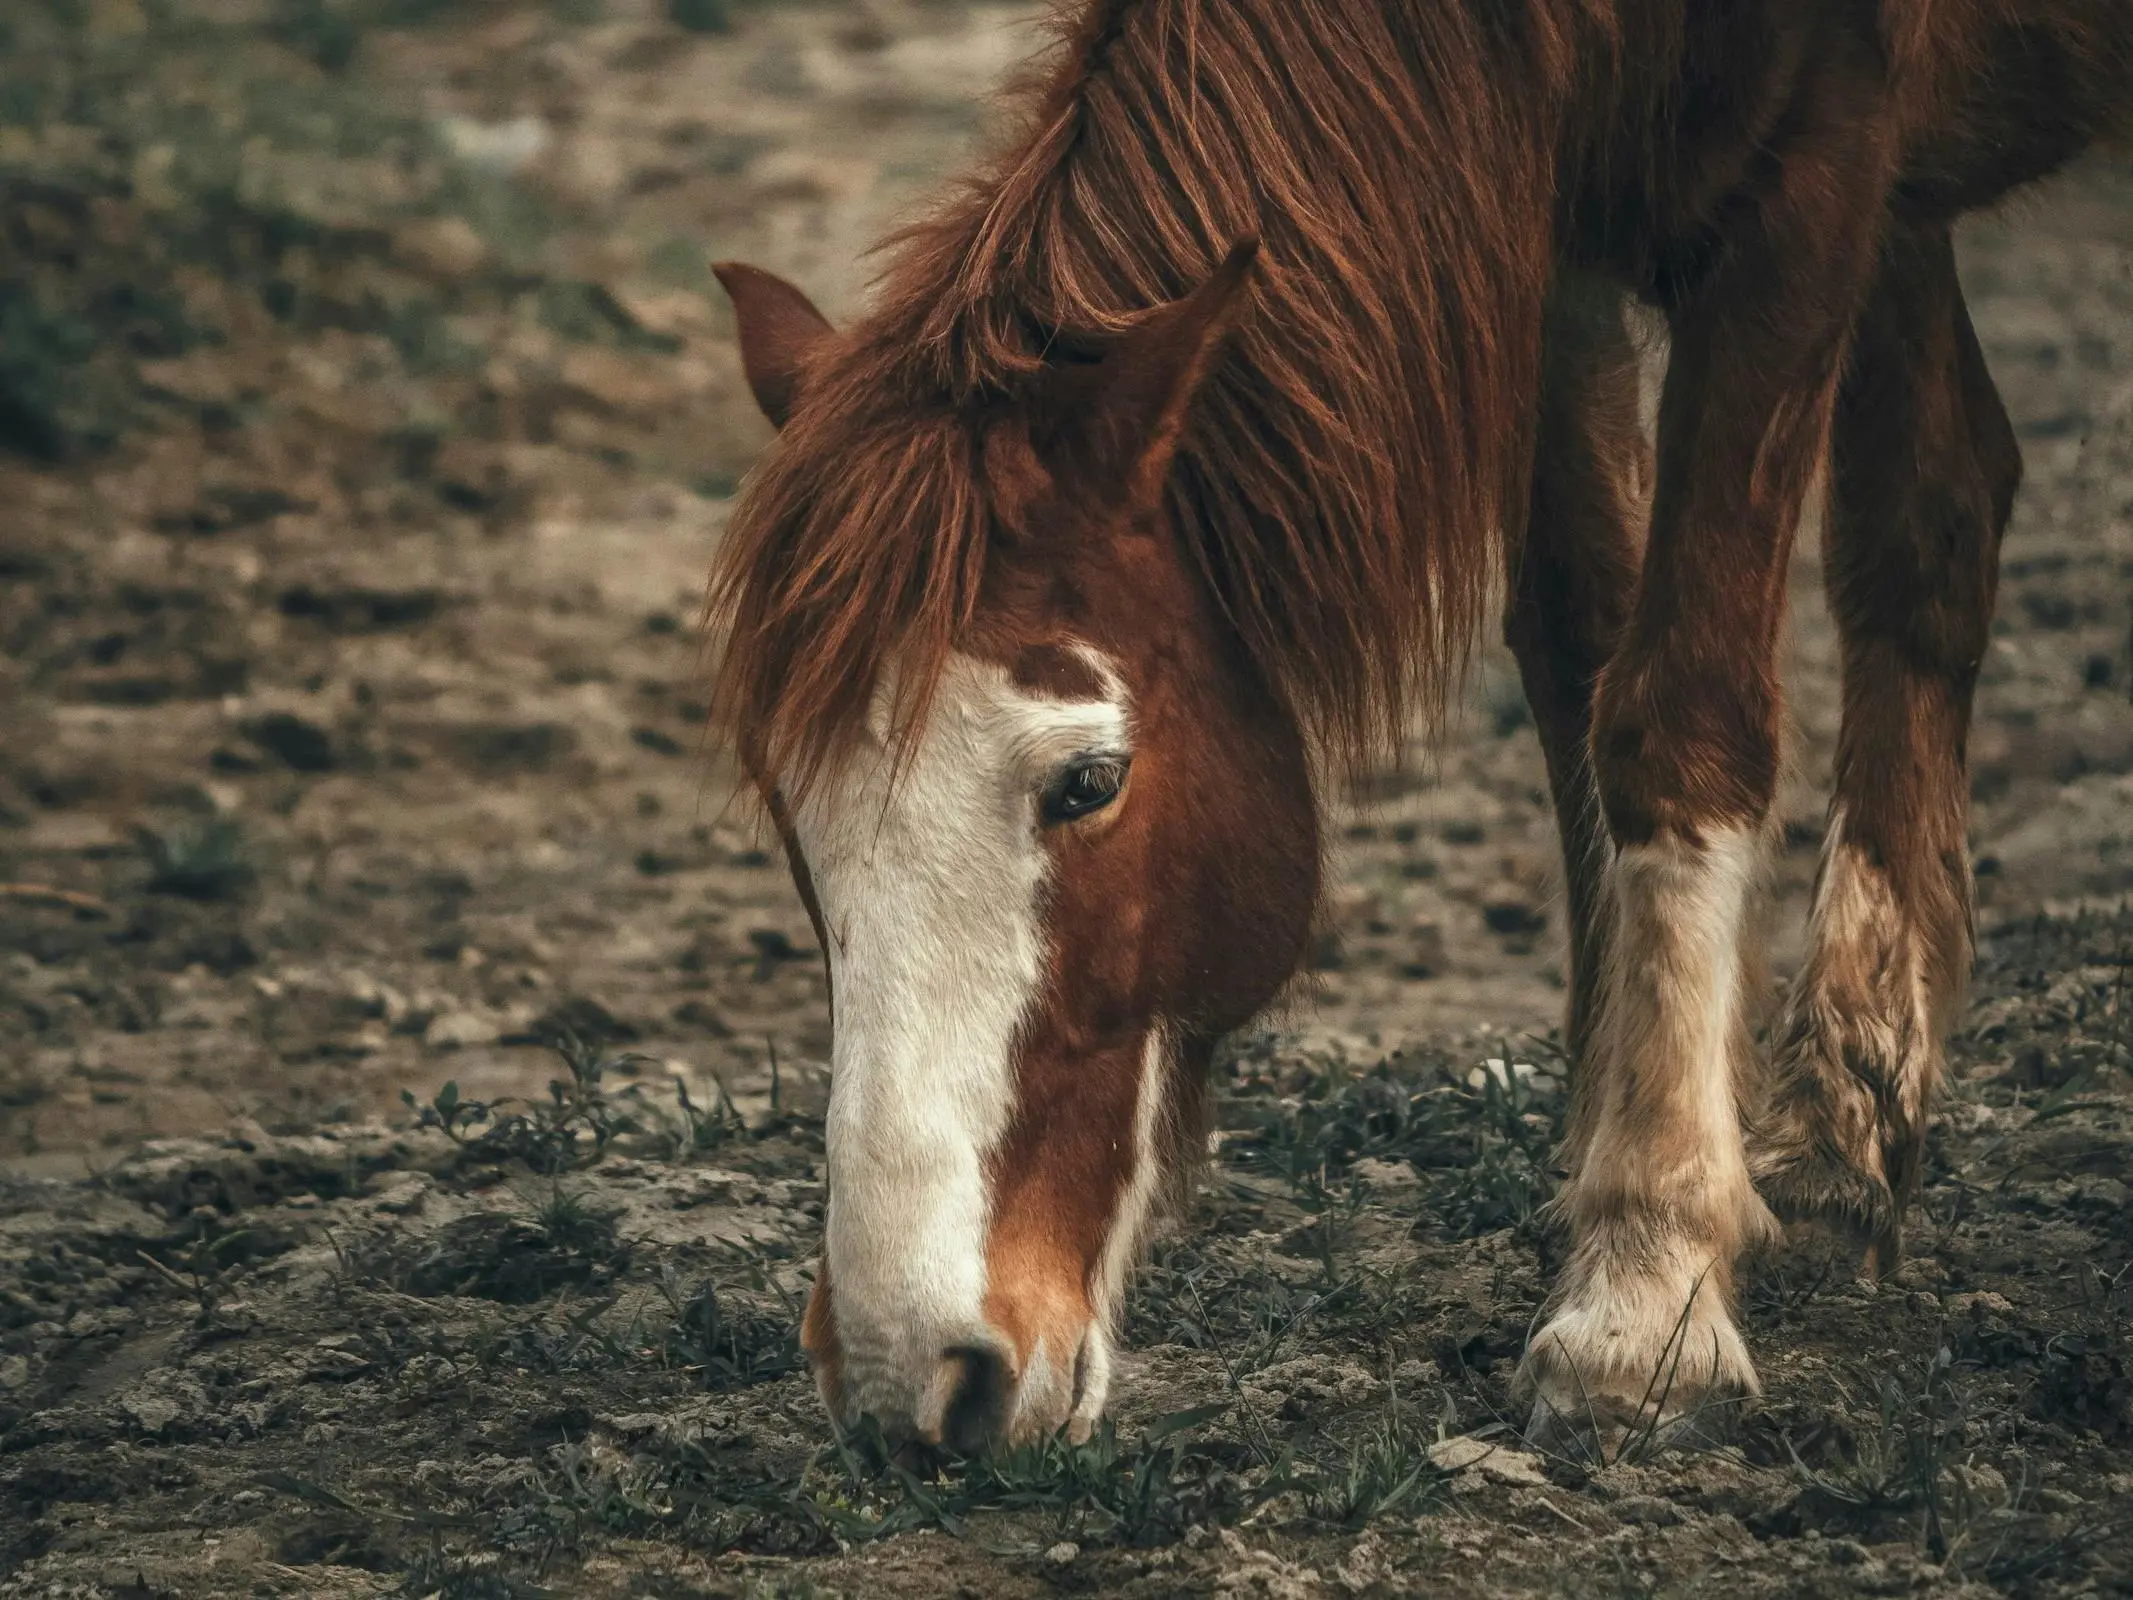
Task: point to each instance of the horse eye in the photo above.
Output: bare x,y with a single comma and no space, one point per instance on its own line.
1086,786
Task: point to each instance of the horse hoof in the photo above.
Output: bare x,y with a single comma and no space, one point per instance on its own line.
1598,1431
1621,1380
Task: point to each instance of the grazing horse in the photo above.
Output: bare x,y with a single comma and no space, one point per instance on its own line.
1167,480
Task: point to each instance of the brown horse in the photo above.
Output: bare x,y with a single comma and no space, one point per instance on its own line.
1167,480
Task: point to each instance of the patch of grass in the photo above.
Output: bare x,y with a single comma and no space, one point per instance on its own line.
1107,1490
1206,1295
701,16
690,1130
55,403
729,1338
210,1262
1382,1471
1110,1490
1484,1155
515,1258
572,1129
1898,1463
580,1121
207,859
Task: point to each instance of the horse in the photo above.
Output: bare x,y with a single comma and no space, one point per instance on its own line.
1164,485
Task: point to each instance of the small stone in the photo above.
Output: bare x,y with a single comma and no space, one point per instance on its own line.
15,1373
1648,1511
1498,1463
1427,955
1458,1453
1063,1553
1387,1177
446,249
501,147
1352,905
152,1413
461,1030
1919,1272
1502,1073
401,1193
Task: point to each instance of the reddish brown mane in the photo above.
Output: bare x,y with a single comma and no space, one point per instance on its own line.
1349,462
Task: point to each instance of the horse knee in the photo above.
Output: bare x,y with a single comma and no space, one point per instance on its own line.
1684,752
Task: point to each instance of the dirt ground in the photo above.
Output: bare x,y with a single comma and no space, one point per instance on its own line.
367,416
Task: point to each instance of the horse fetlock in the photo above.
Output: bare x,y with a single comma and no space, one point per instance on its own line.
1817,1151
1838,1141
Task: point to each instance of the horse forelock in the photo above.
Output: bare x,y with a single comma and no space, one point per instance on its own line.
1351,456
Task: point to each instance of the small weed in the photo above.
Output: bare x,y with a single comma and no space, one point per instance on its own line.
1386,1469
1899,1463
512,1257
1102,1491
728,1339
694,1130
203,860
572,1129
447,1112
208,1265
701,16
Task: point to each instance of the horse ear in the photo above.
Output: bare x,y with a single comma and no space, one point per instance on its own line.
1126,411
780,330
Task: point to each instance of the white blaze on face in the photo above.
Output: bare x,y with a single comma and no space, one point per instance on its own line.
1130,1221
929,890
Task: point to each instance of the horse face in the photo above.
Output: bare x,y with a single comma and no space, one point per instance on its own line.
1040,906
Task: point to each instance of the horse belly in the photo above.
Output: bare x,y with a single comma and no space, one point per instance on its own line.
2023,90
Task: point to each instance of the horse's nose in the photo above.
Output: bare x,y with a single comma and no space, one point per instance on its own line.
970,1399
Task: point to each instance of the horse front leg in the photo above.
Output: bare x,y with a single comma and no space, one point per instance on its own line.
1640,1341
1570,582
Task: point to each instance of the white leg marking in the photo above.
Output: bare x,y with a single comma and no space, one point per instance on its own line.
1869,985
1660,1203
1859,1054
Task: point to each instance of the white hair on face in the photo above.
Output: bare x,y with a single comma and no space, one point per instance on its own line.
928,878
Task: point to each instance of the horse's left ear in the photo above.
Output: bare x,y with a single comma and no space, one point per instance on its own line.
780,330
1125,413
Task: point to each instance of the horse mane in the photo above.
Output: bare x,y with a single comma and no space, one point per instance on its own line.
1351,457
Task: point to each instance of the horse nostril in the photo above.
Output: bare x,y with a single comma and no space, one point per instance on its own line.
978,1394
